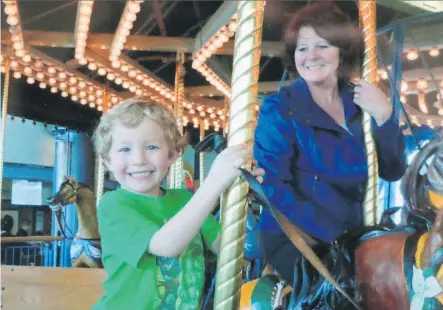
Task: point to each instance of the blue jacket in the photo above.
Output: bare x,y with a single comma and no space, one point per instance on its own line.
315,170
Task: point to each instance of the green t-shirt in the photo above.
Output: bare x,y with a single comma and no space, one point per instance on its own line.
138,280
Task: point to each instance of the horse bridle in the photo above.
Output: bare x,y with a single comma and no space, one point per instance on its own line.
58,212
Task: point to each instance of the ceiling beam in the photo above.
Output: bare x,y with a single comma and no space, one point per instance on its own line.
210,103
46,58
415,74
133,42
220,68
197,91
100,56
402,6
272,86
219,19
103,41
427,6
131,62
426,37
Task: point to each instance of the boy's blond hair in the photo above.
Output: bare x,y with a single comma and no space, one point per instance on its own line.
129,114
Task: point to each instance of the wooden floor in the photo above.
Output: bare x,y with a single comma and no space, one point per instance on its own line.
45,288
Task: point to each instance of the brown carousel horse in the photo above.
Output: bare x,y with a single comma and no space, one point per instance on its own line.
395,265
85,248
404,270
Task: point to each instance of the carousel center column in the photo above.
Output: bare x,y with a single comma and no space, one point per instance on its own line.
73,157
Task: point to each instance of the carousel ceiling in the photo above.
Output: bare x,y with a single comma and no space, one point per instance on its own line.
69,57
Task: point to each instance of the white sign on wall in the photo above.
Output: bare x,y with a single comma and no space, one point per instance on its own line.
26,192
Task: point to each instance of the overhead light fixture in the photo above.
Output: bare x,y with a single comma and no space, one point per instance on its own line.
412,54
434,51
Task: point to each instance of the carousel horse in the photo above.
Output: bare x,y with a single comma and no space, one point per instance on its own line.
393,265
85,248
407,272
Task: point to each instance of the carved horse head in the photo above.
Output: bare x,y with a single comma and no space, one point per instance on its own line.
85,248
68,193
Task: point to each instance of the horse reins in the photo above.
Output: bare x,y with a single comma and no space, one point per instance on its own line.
58,214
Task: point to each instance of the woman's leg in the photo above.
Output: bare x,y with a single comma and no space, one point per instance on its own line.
281,254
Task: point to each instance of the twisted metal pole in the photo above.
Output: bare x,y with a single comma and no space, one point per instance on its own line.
242,120
180,96
367,12
100,167
4,116
226,120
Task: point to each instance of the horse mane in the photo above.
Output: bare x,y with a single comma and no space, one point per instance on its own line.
414,185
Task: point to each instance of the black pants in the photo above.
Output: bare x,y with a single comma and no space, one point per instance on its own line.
281,254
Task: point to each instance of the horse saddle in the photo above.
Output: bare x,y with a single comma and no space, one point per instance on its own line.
312,291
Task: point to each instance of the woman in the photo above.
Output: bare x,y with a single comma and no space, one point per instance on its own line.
309,136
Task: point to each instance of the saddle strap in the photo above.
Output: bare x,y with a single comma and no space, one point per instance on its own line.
297,237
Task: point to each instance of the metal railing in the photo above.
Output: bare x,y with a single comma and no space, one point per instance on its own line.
29,251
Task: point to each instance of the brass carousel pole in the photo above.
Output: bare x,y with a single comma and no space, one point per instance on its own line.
226,120
242,120
202,154
367,12
100,167
4,113
180,96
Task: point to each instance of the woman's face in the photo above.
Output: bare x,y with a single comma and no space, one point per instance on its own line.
315,59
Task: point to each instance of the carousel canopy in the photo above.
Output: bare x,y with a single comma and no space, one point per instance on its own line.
71,60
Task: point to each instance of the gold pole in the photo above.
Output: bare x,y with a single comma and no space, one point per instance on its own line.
4,113
367,12
225,114
100,174
242,119
180,96
202,154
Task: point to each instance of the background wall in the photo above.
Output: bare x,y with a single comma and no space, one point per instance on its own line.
26,143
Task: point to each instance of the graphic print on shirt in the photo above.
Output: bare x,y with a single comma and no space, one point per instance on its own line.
180,281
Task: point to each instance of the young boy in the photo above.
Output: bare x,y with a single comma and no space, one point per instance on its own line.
152,238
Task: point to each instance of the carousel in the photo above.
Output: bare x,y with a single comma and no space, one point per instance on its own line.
212,63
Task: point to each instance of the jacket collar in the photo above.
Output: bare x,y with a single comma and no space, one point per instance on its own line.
298,98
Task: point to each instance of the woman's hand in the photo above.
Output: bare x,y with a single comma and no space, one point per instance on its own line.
372,100
257,172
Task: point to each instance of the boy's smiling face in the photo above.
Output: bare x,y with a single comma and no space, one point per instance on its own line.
140,157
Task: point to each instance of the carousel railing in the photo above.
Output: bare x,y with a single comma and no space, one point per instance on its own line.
29,251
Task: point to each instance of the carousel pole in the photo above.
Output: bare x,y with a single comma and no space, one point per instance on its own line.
226,120
202,154
180,96
367,12
100,167
242,120
4,113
